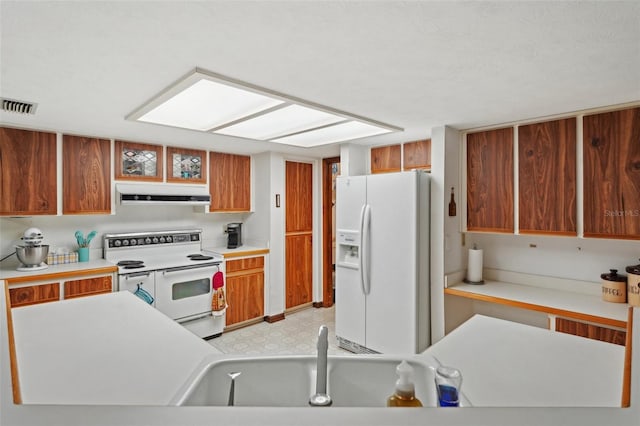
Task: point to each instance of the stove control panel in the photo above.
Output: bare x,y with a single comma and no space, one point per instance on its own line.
156,238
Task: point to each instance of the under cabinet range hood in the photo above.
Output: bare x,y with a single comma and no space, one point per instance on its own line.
166,194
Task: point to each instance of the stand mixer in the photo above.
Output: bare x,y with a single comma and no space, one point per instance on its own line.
33,253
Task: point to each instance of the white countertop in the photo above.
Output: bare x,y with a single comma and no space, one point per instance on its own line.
8,271
243,250
504,364
554,299
110,345
105,349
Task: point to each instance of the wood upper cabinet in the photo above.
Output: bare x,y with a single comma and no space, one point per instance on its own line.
186,165
138,161
87,287
229,182
547,177
417,155
490,181
611,150
86,175
385,159
28,177
33,294
245,289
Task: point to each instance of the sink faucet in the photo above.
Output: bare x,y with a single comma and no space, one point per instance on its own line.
320,398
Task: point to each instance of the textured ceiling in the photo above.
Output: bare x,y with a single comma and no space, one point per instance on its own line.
415,64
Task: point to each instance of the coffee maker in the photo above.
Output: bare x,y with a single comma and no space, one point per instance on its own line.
234,235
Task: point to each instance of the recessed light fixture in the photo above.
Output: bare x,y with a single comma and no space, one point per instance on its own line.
210,102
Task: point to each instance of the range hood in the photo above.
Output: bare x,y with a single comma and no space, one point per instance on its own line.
166,194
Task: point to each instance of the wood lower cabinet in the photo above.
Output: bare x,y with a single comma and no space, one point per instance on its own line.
229,182
386,159
490,181
34,294
86,175
590,331
611,150
547,177
28,172
245,289
87,287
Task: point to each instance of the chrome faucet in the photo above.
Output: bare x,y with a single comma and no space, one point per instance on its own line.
321,398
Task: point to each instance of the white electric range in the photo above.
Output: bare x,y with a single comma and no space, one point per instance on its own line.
170,271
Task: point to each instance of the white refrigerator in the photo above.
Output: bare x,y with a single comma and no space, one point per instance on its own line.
382,263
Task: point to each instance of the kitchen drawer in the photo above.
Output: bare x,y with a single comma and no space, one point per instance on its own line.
33,294
87,287
590,331
245,264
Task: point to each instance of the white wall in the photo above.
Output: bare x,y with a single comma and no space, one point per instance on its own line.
446,241
59,231
582,259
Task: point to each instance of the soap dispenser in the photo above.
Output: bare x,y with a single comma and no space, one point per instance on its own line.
404,395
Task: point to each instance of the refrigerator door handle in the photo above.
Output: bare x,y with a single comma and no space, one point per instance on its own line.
361,256
366,250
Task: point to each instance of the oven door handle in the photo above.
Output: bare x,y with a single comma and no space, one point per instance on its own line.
185,268
193,318
136,275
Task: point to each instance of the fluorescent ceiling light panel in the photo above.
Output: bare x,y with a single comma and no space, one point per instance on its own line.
284,121
210,102
207,104
331,134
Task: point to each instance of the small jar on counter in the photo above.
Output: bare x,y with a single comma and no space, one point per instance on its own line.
614,287
633,285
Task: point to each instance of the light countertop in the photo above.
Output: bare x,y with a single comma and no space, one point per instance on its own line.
120,355
8,272
105,349
504,364
548,300
243,250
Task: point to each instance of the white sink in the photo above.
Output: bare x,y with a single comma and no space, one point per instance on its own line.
289,381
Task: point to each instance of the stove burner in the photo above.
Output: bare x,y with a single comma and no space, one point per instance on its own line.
130,262
136,266
199,257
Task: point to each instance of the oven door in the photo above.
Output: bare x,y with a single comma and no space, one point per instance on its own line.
142,284
185,293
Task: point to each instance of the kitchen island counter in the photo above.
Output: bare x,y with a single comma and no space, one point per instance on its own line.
142,359
507,364
106,349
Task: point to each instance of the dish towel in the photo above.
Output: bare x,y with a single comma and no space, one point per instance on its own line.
218,302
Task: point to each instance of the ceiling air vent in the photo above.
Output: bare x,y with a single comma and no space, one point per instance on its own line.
20,107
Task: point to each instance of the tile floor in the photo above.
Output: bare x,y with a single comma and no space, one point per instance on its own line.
297,334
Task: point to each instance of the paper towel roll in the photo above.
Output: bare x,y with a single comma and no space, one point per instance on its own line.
474,268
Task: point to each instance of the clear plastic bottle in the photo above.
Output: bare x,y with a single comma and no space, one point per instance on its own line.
404,395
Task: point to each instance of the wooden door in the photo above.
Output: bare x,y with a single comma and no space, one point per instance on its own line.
28,167
547,177
611,148
298,233
86,175
330,171
490,181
